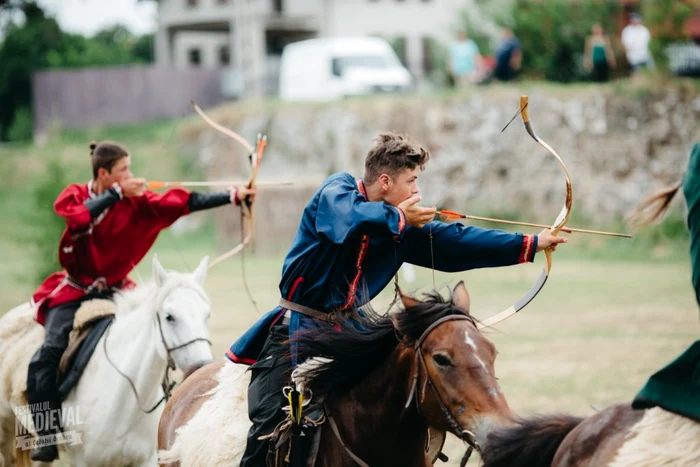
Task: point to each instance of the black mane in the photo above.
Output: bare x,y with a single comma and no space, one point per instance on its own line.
357,350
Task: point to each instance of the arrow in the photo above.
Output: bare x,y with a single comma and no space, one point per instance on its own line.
157,185
445,215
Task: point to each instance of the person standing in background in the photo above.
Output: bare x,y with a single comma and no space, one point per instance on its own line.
635,39
598,56
464,60
508,57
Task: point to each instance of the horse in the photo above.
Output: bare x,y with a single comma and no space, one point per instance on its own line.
616,436
382,385
114,409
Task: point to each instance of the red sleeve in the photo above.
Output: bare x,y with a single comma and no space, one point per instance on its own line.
70,205
166,207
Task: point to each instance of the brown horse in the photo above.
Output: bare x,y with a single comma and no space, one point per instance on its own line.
615,437
382,385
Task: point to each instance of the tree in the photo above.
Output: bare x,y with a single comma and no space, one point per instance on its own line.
40,43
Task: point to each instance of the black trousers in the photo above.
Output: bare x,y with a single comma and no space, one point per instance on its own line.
42,377
265,398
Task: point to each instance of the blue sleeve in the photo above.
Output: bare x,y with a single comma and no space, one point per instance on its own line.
459,248
344,211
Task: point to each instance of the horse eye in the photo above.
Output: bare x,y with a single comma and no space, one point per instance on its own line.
442,360
169,317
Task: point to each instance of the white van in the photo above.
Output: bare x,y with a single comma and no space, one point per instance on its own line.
336,67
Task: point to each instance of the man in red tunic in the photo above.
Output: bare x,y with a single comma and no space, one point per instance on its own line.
111,223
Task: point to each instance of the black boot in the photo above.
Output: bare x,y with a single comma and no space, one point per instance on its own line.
47,422
45,453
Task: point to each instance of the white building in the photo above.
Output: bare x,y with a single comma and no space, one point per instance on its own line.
246,37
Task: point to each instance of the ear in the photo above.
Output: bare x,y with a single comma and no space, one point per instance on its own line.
408,302
460,297
200,274
159,274
384,180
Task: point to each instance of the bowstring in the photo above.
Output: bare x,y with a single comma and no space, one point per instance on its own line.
459,178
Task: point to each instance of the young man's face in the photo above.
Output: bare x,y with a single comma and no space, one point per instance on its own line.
121,170
400,188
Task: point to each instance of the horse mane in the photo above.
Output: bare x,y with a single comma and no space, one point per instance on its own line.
128,300
351,351
148,294
654,206
530,443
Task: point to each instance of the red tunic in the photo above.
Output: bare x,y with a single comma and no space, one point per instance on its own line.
106,249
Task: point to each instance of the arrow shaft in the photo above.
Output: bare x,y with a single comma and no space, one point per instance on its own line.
154,184
530,224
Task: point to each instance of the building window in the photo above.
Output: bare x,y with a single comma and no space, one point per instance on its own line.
191,3
224,55
194,57
277,6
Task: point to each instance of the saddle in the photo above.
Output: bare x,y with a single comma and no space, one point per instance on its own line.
91,321
294,444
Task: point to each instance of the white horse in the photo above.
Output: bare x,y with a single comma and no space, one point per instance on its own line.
112,413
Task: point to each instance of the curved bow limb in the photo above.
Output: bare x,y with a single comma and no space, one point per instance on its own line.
246,204
256,156
556,227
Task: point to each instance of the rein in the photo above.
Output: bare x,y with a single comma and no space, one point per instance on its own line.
465,435
166,383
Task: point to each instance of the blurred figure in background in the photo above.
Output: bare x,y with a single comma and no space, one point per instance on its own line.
635,39
598,56
508,57
464,60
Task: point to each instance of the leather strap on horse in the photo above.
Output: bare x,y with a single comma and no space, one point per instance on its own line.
304,310
334,427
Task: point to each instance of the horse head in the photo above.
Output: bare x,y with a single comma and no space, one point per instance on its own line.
182,314
454,384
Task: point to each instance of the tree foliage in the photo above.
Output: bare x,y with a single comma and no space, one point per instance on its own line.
39,43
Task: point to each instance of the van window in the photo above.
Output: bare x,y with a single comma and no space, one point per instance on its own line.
342,64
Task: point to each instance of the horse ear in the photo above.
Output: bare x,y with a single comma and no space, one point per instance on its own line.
407,301
200,274
460,297
159,273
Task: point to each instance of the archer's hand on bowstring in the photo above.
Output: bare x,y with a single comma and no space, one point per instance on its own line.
545,240
243,195
133,186
416,216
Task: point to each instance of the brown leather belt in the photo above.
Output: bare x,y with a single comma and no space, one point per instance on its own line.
331,318
304,310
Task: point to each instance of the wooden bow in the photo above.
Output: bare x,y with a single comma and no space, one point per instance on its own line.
556,227
247,210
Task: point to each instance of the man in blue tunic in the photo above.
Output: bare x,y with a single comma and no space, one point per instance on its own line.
353,237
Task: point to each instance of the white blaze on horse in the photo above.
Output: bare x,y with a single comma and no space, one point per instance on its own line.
381,389
114,409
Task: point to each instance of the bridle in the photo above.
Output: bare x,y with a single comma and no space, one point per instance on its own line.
166,384
465,435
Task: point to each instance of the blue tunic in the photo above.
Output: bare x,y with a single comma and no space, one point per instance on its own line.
347,249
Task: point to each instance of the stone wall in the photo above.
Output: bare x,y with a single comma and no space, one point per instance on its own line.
618,145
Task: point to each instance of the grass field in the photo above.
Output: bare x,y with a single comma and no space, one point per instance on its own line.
611,313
